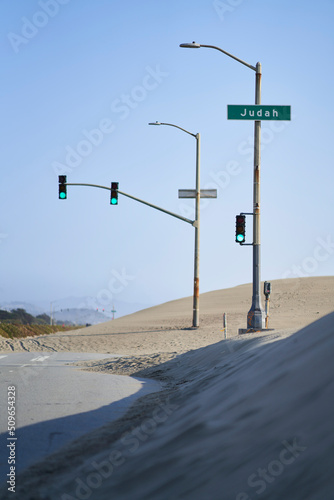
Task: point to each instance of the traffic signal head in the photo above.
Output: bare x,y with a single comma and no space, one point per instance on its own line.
62,187
114,193
240,228
267,288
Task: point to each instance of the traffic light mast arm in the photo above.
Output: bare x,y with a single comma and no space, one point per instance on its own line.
192,222
92,185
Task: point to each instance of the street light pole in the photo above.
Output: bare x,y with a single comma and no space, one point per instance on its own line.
197,219
196,223
256,315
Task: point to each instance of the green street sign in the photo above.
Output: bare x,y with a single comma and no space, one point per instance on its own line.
258,112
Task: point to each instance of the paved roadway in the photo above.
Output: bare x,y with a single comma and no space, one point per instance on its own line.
56,403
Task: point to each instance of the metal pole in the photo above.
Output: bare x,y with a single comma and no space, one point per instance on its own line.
256,317
192,222
196,222
230,55
197,234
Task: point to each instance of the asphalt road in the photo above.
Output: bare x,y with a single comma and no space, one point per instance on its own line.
55,404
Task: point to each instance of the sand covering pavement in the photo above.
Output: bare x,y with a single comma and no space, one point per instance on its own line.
243,418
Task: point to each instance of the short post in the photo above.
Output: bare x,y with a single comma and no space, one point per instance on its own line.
224,325
267,291
267,311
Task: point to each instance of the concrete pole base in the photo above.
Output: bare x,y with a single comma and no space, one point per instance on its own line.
256,319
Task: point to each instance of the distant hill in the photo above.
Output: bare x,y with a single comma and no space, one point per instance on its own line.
22,317
79,317
62,317
75,310
18,323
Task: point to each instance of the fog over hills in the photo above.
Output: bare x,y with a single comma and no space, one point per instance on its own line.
76,310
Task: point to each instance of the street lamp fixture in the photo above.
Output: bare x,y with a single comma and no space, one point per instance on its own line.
192,45
256,315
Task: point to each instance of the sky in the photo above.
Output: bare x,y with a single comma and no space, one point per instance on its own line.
81,80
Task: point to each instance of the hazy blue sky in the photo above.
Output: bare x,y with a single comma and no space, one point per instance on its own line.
71,67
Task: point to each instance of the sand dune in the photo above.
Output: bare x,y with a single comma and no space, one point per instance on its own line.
250,417
166,328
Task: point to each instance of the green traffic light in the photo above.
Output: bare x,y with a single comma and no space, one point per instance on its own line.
240,228
62,187
114,193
